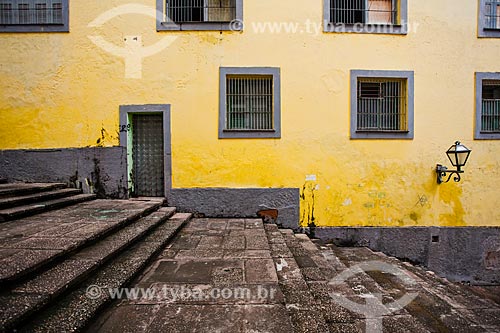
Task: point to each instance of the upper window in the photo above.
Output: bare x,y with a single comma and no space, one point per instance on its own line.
249,103
366,16
381,105
34,16
487,106
200,14
489,18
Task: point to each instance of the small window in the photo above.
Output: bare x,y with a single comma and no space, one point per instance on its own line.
362,11
366,15
382,105
487,106
489,18
34,16
200,14
249,103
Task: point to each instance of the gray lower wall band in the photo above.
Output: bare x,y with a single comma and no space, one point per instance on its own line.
98,170
470,254
230,202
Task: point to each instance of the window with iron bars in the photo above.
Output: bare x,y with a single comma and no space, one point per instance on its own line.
364,11
487,111
490,107
249,102
200,15
382,105
489,19
33,15
31,12
182,11
492,14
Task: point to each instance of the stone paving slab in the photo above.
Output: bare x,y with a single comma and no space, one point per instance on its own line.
208,294
225,254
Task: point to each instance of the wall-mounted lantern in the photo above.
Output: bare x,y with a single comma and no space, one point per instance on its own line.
458,155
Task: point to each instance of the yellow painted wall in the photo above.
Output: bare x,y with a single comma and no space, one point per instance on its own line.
61,90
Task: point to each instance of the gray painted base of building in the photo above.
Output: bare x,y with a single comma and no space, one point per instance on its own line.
228,202
96,170
462,254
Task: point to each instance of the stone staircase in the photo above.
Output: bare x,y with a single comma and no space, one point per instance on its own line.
306,270
49,260
19,199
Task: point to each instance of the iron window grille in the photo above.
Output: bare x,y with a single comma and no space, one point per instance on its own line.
249,102
382,105
492,14
31,12
195,11
490,107
364,11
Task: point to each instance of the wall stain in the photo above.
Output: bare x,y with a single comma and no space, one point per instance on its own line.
414,216
106,139
307,198
451,195
97,180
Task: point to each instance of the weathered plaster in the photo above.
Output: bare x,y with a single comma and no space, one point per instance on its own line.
61,90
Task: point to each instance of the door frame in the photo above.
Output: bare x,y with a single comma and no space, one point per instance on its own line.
126,137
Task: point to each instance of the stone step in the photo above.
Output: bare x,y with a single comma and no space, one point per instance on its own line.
438,303
37,292
10,202
13,189
300,304
466,308
30,244
9,214
3,180
76,309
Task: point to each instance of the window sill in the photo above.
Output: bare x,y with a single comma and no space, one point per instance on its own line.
384,135
234,25
488,136
34,28
249,134
380,131
249,130
366,28
489,33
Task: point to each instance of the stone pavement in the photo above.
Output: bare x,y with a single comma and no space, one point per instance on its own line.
238,275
